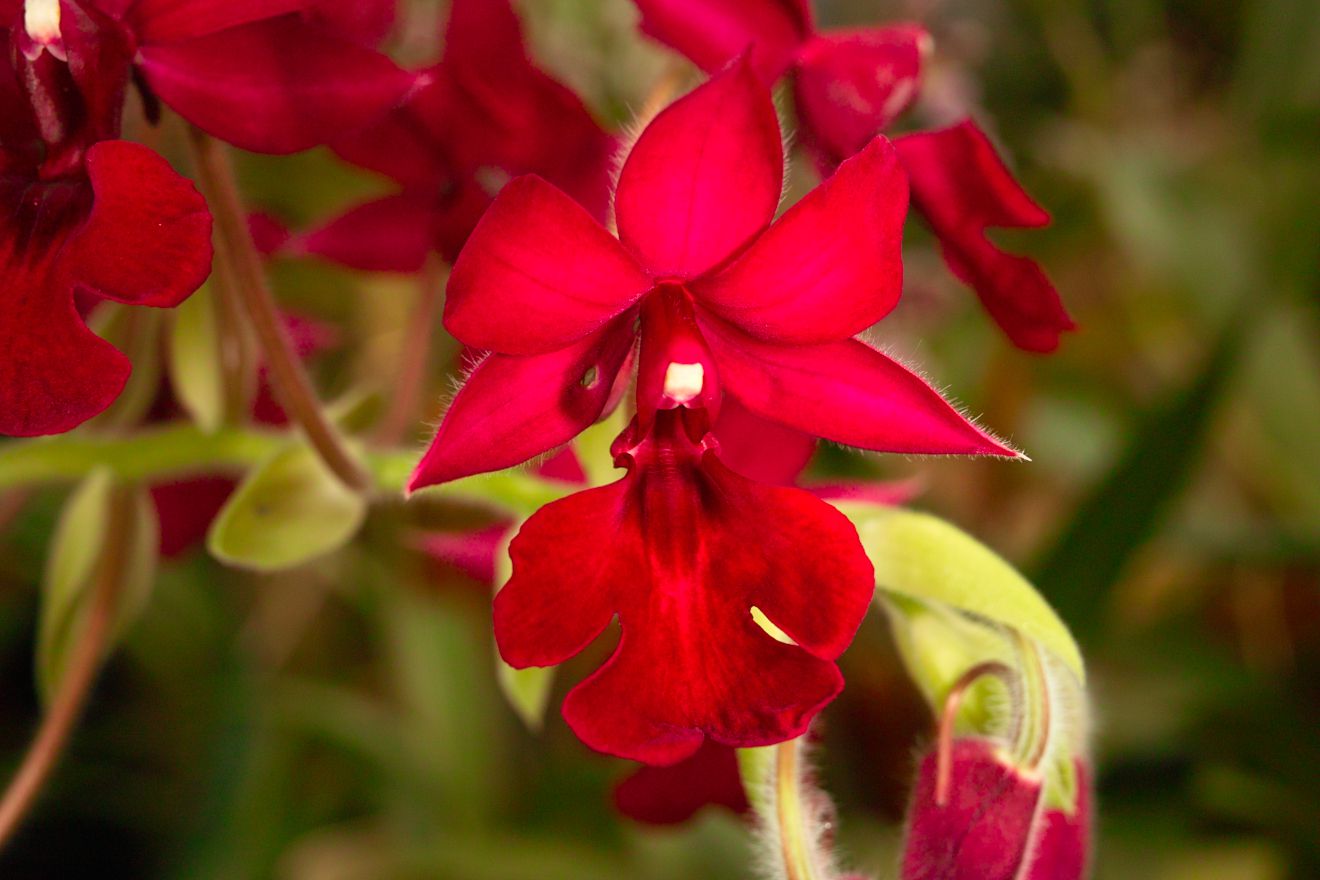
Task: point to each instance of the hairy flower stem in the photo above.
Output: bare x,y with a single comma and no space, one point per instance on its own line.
287,376
795,838
415,355
84,663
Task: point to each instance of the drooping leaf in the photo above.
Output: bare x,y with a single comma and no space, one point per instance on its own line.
196,360
74,565
287,511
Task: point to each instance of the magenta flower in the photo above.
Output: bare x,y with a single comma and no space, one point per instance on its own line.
848,86
724,300
487,114
988,822
80,211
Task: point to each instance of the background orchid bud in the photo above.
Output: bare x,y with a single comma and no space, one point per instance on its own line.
985,820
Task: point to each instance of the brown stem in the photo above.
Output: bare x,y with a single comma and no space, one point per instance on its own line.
949,714
287,376
237,357
80,674
415,356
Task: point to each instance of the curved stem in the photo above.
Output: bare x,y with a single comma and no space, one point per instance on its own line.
949,715
415,356
287,376
58,723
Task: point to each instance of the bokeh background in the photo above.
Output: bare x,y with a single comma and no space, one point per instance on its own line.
342,722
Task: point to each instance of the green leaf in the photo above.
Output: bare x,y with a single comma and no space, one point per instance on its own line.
289,510
196,371
1128,506
76,552
922,556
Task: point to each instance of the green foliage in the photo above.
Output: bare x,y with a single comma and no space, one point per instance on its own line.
77,562
288,511
920,556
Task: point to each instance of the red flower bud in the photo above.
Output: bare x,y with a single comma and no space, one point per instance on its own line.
986,820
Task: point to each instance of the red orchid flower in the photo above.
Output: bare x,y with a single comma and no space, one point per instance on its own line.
80,211
724,300
988,822
487,114
848,86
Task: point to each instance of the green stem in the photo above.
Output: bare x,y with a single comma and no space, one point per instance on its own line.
184,450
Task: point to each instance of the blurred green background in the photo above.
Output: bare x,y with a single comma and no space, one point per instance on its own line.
342,722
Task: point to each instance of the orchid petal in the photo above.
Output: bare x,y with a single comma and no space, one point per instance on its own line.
851,85
983,830
710,32
962,187
760,449
147,240
391,234
670,795
168,21
54,372
512,409
704,177
276,86
846,392
539,256
830,267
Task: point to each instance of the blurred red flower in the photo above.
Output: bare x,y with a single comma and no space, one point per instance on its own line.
486,114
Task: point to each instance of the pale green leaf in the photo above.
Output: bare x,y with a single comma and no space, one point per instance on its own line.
72,568
289,510
196,373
